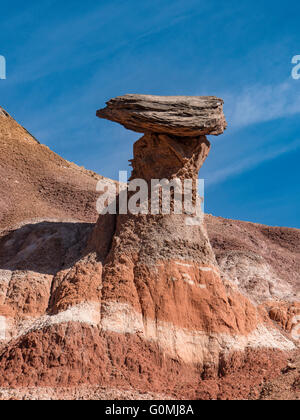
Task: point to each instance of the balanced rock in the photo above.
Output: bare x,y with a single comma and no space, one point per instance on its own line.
182,116
138,304
160,278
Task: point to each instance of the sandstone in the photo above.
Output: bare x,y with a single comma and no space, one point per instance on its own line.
181,116
158,266
139,306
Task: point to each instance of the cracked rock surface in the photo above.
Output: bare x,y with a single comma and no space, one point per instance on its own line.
182,116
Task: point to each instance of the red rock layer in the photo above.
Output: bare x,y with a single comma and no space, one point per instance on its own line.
287,315
75,354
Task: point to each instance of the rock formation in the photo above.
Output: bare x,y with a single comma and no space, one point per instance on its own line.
139,304
180,116
162,271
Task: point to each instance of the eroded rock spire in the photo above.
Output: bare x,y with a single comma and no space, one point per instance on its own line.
174,144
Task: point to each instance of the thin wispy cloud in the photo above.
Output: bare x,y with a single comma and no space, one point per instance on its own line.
255,105
249,162
75,33
261,103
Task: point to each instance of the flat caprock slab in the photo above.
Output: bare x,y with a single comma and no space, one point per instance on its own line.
182,116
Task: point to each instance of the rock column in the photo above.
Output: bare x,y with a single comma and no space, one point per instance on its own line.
160,277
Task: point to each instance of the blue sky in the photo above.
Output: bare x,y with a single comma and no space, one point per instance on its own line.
66,59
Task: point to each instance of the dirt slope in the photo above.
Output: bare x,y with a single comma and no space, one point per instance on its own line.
37,183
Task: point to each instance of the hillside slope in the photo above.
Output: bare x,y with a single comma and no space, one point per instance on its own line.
37,183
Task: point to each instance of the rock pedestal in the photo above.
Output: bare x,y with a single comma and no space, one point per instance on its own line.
181,116
158,156
144,306
174,144
160,277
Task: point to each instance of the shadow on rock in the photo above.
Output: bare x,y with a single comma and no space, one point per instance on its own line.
45,247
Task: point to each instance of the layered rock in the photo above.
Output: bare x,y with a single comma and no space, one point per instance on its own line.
138,304
161,273
182,116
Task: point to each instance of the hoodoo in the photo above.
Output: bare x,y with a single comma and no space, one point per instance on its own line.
138,304
160,277
174,144
181,116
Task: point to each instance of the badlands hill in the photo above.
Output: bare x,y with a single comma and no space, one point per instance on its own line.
124,308
37,183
